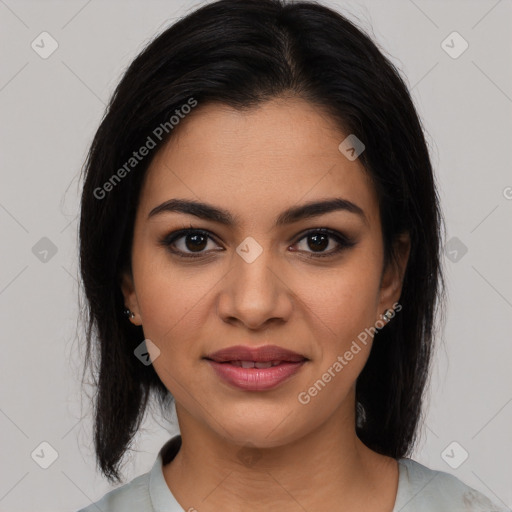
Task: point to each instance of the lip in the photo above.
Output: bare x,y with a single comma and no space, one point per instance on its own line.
255,379
258,354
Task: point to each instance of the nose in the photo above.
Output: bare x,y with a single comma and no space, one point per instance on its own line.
254,293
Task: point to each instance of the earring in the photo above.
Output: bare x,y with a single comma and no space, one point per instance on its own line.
129,313
388,315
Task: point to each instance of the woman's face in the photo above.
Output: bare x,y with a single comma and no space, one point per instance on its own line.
257,281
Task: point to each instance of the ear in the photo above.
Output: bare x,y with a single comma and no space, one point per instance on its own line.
130,297
393,274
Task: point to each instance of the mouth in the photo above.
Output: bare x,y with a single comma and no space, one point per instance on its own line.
255,369
270,355
253,364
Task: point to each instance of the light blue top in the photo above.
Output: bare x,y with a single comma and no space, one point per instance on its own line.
420,489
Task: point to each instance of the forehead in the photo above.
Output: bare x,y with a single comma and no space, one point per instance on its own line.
282,153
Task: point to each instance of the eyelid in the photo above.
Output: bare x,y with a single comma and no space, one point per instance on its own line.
169,239
344,241
327,231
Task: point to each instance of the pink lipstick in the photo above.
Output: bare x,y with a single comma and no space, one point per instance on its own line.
255,369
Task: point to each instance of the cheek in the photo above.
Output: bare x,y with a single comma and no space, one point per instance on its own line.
165,296
161,304
165,291
172,306
343,300
343,307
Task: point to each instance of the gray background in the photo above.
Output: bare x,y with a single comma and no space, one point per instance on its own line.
50,109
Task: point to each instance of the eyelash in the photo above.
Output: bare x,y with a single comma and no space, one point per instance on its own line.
343,241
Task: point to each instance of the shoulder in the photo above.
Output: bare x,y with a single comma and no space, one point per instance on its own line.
422,489
133,495
145,493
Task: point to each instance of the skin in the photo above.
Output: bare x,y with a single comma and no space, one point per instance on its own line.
256,164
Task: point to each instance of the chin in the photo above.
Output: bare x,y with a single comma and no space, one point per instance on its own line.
267,433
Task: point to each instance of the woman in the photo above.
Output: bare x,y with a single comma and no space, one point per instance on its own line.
260,203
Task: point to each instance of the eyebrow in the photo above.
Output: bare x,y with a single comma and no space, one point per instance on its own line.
294,214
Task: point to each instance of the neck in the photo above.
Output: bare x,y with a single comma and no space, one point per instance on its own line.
324,468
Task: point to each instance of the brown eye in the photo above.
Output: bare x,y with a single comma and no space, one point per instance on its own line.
318,240
195,241
188,243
